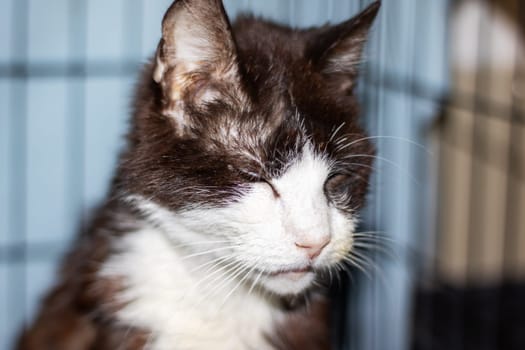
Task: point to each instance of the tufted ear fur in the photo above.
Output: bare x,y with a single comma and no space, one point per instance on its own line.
196,60
337,50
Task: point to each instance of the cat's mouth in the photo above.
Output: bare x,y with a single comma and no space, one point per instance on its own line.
296,270
289,280
294,273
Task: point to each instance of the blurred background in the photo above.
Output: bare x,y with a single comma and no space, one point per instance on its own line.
444,100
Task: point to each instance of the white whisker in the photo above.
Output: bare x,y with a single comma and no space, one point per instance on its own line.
255,281
247,274
388,161
388,137
218,273
210,251
230,276
193,244
358,264
213,263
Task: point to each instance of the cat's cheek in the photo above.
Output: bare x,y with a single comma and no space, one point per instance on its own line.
259,205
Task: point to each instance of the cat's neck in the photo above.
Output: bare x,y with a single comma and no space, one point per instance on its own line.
178,296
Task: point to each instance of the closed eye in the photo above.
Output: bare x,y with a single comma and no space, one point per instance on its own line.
336,182
276,193
253,177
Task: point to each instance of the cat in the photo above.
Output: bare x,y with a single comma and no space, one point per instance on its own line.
236,197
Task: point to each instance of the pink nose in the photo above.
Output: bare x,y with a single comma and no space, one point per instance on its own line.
313,247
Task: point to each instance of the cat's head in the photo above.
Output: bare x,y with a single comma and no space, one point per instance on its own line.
246,146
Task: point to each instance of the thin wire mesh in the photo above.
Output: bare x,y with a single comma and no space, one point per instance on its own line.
362,322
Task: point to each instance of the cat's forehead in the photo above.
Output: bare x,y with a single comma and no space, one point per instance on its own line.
275,128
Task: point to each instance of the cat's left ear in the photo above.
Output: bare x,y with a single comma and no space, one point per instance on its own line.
337,51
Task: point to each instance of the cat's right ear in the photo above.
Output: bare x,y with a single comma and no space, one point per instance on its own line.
196,59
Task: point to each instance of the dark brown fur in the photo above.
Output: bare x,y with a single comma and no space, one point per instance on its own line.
282,72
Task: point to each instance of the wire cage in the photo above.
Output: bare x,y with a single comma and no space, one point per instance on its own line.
442,101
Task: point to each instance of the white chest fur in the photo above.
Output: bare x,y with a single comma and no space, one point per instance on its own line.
164,297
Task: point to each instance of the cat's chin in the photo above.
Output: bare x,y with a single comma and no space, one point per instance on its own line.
288,283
